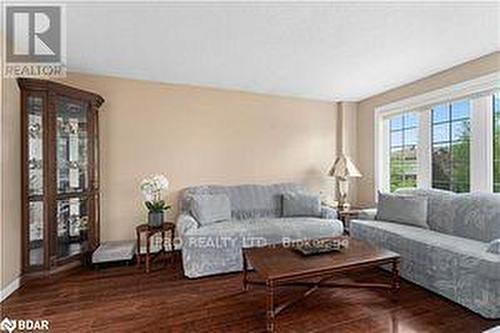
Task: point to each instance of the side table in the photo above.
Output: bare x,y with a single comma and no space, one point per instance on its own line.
346,215
149,232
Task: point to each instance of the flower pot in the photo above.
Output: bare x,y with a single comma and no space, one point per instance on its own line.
155,219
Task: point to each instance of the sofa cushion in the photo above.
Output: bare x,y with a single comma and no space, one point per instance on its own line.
405,209
210,208
297,204
470,215
494,247
477,216
445,256
368,214
247,201
269,230
440,209
328,212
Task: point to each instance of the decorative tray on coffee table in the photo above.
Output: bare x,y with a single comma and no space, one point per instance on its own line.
319,246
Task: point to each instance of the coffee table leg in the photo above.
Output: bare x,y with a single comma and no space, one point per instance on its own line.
270,305
395,279
245,269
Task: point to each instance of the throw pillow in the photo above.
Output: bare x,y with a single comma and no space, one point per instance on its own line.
404,209
297,204
210,208
494,246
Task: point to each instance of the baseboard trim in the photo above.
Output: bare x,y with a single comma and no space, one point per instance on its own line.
7,291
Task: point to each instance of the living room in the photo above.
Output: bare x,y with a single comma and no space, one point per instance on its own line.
250,167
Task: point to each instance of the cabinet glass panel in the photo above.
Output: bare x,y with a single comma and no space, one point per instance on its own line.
72,226
72,141
35,145
36,233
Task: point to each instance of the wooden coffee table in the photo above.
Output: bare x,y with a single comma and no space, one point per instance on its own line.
283,266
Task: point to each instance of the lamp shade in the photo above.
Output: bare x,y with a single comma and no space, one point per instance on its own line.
343,167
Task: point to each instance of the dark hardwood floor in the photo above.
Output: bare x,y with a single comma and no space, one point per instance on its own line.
125,299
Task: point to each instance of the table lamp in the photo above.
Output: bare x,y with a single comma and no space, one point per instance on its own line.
343,169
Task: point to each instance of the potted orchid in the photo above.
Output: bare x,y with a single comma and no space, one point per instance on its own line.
153,188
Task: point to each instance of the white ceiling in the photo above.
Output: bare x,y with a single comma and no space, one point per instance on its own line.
334,51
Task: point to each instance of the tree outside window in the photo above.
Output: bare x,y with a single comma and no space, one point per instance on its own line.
451,146
403,146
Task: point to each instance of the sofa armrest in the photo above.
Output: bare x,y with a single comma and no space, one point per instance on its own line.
494,246
186,222
328,213
368,214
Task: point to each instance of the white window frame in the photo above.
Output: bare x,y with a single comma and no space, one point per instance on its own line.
479,91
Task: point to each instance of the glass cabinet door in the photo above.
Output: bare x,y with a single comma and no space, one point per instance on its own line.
72,177
72,149
35,111
72,220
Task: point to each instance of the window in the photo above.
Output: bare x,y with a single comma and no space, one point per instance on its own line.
496,142
403,150
451,146
447,138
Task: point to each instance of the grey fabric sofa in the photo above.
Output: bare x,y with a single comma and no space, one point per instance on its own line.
256,220
450,257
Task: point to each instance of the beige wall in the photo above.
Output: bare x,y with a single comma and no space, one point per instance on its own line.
365,121
193,135
201,136
347,134
11,184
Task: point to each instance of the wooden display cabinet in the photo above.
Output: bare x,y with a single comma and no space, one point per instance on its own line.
60,175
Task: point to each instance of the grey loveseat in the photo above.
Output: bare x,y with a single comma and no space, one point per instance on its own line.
256,220
451,257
